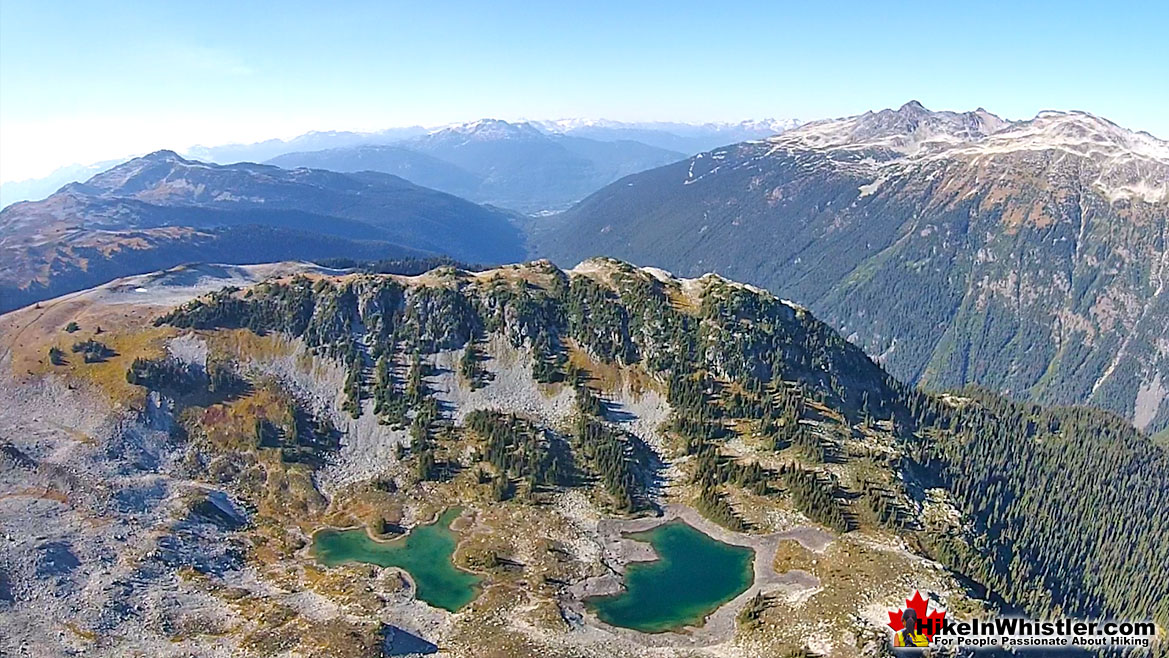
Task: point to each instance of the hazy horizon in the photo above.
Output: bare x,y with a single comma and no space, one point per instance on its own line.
88,82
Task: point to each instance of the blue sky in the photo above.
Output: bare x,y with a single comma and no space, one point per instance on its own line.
84,81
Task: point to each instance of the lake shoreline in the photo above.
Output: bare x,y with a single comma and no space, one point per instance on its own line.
401,543
694,576
618,551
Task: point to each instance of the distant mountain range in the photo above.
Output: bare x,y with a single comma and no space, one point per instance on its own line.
162,210
589,162
39,188
688,138
1030,256
311,141
512,165
956,247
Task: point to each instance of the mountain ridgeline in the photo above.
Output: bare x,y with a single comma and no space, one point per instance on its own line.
1059,509
1029,257
511,165
391,151
161,210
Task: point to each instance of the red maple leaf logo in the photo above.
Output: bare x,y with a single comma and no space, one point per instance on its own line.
931,622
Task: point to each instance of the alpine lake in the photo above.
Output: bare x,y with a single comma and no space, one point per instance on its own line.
693,576
425,553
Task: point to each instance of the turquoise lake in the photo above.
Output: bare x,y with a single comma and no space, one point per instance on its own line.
425,553
693,577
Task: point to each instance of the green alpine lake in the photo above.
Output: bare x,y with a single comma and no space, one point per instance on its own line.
425,553
694,575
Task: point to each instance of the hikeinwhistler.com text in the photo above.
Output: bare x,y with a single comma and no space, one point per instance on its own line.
1018,632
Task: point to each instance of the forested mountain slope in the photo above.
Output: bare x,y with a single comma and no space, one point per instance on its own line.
1029,257
551,407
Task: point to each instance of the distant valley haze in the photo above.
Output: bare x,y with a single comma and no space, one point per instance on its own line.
652,143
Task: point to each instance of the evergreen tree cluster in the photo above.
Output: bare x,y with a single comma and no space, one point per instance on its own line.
588,402
616,460
471,366
884,506
389,404
299,436
696,417
527,314
284,307
438,318
597,321
713,505
402,266
56,356
173,376
764,339
806,443
93,351
751,616
520,449
354,382
713,469
814,497
426,421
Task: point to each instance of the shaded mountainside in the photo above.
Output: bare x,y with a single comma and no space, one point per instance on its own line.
418,168
213,418
512,165
160,210
1029,257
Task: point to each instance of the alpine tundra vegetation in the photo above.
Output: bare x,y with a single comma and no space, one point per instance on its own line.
562,426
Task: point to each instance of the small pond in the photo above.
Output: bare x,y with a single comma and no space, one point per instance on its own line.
425,553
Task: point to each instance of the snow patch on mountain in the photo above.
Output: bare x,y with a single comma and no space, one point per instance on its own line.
487,130
907,131
1129,165
568,125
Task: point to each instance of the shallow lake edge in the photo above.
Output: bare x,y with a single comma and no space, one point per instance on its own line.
309,552
719,626
642,537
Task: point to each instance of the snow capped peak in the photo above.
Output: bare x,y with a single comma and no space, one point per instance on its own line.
914,130
489,130
1075,132
913,107
766,126
1123,164
568,125
1128,164
771,125
907,130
